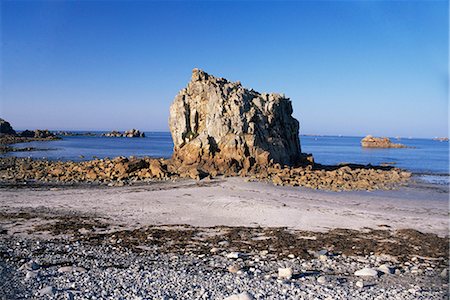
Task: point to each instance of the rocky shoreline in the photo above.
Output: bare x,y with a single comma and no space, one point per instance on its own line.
121,171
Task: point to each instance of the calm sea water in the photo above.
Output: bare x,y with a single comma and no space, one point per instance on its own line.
428,158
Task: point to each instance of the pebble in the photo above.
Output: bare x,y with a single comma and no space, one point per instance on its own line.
285,273
65,269
323,257
444,273
366,272
31,275
233,268
386,269
241,296
31,266
322,279
234,255
360,284
48,290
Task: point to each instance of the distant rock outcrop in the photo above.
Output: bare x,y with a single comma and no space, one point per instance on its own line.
374,142
219,124
6,128
441,139
129,133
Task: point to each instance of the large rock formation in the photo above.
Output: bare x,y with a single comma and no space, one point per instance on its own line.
374,142
221,124
6,128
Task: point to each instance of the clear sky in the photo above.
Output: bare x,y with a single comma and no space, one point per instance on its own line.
350,67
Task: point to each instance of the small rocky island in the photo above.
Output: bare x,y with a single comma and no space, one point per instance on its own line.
384,142
132,133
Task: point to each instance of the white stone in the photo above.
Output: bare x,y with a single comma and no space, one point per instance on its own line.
366,272
31,275
323,257
285,273
360,284
234,255
241,296
322,279
79,269
48,290
65,269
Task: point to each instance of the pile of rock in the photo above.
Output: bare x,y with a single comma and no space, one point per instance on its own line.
122,170
129,133
374,142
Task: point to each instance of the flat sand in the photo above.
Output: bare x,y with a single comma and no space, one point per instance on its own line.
236,202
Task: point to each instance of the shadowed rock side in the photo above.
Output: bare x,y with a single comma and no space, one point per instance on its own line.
219,125
6,128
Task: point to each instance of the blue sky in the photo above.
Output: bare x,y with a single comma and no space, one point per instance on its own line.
350,67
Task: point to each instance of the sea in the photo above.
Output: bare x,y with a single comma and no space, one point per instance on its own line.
428,159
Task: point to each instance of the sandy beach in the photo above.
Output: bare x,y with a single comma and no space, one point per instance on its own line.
236,202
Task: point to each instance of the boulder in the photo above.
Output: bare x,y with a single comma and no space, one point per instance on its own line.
6,128
220,122
374,142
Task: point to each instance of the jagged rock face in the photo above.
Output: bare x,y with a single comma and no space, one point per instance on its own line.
6,128
220,122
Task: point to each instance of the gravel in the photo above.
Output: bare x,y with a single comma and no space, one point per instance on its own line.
65,269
